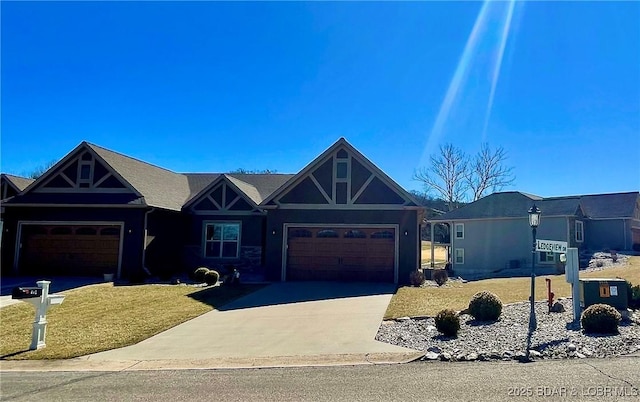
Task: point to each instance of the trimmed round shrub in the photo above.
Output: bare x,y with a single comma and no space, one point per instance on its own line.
440,276
416,278
211,277
600,319
199,273
485,306
448,322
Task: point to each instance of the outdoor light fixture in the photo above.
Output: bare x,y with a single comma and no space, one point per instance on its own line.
534,221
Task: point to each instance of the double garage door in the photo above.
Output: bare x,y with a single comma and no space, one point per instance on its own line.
82,250
341,254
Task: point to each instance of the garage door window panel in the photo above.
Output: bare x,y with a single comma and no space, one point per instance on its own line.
222,240
345,254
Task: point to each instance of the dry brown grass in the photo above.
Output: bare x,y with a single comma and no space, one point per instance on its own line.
411,301
440,253
102,317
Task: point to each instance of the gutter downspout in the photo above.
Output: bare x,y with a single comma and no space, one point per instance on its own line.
144,248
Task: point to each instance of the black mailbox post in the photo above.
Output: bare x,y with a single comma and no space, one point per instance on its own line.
26,292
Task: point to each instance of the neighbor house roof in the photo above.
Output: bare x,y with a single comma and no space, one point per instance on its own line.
516,204
599,206
19,183
498,205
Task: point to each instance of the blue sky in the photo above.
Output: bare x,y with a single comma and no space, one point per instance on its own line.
210,87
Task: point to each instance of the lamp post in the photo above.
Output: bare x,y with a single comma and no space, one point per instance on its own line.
534,221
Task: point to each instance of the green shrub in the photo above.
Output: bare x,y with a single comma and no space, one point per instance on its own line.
600,319
199,273
485,306
633,295
416,278
211,277
448,322
440,276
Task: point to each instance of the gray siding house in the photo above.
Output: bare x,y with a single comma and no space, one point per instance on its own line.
491,237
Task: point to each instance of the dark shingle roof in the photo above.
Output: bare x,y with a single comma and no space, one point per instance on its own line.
160,187
498,205
516,204
20,183
255,186
609,205
166,189
264,184
198,181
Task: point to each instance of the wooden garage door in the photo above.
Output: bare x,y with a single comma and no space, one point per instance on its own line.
341,254
83,250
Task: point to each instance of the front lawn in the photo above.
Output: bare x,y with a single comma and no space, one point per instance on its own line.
102,317
412,301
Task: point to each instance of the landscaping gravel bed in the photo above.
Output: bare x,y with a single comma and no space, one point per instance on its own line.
555,338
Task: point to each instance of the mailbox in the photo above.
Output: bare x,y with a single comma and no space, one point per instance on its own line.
42,300
26,292
603,291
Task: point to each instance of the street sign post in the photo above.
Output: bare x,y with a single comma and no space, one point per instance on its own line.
551,246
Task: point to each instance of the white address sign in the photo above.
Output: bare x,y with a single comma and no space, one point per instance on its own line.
551,246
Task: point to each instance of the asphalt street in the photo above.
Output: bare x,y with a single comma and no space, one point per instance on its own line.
570,380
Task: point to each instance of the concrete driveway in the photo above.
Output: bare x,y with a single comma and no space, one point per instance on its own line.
282,319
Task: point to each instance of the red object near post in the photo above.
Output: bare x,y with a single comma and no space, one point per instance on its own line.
550,294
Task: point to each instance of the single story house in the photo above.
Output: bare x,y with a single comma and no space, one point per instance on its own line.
492,237
97,211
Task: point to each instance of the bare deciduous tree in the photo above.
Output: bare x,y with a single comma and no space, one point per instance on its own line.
254,171
487,172
446,175
456,178
40,170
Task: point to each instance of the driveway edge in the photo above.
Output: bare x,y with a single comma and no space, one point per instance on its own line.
85,364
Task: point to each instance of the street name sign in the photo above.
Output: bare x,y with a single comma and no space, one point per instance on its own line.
551,246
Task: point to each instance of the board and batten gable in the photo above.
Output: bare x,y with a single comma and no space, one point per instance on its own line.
344,193
72,205
224,202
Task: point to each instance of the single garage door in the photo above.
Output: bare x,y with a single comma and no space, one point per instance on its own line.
82,250
341,254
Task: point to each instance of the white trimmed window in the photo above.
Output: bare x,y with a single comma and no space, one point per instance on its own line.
546,258
221,240
459,256
579,231
459,230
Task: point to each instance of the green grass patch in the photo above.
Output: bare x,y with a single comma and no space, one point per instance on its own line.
103,317
411,301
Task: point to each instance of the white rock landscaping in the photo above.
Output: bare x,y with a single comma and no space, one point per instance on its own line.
556,337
